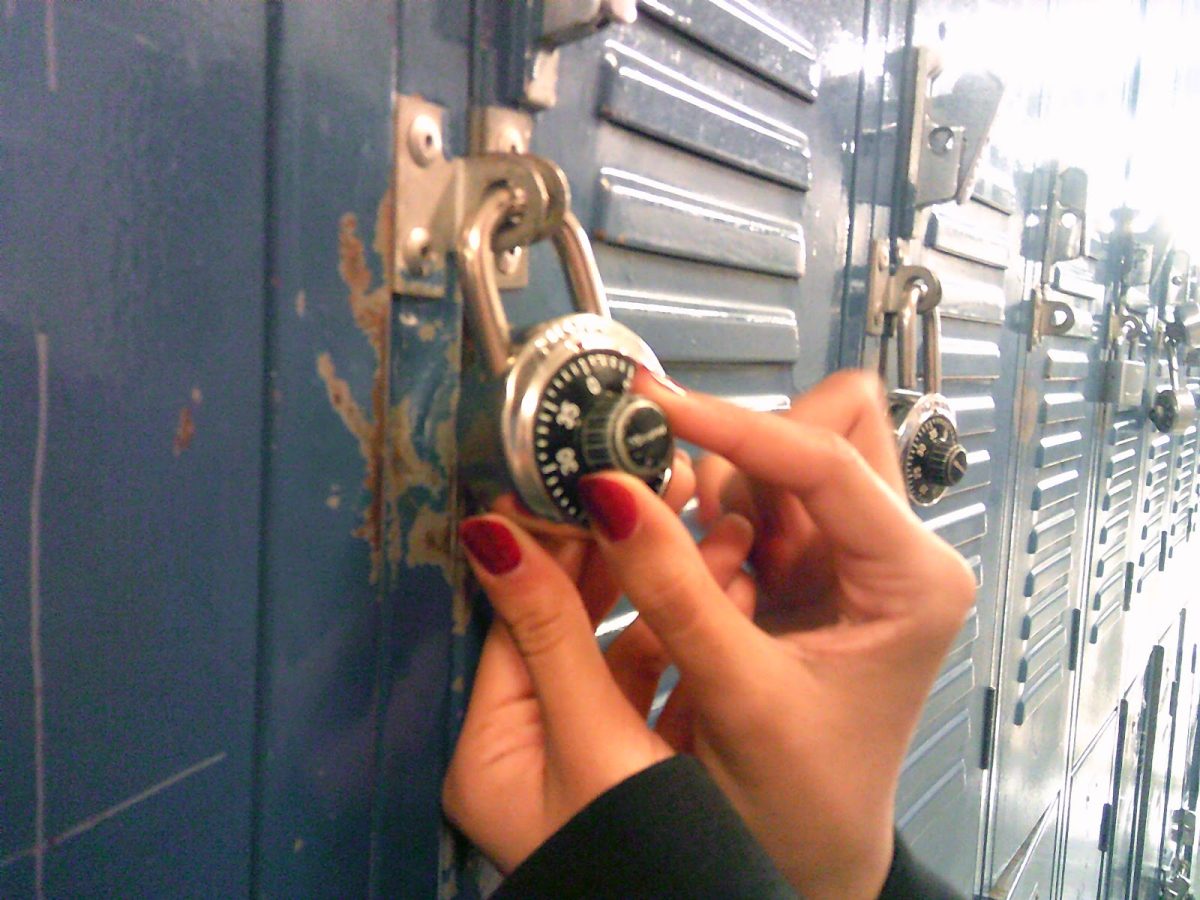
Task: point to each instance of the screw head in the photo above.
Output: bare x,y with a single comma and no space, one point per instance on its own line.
424,139
418,252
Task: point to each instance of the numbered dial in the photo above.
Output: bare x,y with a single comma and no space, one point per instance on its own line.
586,422
931,458
1174,411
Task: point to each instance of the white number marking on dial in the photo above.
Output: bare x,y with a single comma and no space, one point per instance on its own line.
567,463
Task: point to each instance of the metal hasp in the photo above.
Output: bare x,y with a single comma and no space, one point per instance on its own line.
1055,232
564,21
931,457
940,138
1125,376
547,408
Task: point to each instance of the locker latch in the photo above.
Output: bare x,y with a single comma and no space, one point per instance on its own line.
564,21
931,457
551,405
940,137
1055,232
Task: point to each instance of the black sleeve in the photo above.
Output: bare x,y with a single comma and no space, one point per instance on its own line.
908,880
667,831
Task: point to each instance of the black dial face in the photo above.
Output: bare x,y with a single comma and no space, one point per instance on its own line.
593,378
933,459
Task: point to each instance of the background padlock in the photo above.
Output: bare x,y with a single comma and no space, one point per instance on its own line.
552,405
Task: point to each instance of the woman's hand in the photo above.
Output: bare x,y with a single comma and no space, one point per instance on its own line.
804,722
547,729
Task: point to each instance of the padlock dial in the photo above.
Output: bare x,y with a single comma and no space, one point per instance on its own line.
586,422
1174,411
931,457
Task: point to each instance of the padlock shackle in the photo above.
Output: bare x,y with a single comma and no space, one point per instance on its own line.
477,258
575,256
906,342
477,265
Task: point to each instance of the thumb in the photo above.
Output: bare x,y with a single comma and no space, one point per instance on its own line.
549,627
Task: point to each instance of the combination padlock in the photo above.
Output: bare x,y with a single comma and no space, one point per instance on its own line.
1173,410
553,405
931,457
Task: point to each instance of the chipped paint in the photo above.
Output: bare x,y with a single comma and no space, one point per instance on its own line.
297,845
334,500
197,395
184,431
393,466
429,539
301,303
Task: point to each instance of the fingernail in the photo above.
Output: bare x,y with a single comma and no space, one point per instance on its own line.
610,506
664,381
491,544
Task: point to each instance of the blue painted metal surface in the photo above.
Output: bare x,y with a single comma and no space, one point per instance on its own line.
235,638
131,373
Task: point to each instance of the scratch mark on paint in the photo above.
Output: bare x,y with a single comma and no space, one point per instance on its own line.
35,617
51,49
184,431
86,825
301,303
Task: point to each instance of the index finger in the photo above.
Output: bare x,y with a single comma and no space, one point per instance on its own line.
845,497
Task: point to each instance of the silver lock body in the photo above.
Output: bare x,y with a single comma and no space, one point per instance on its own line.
552,406
548,356
1125,383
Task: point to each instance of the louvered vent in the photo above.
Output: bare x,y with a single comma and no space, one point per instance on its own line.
1117,521
1049,561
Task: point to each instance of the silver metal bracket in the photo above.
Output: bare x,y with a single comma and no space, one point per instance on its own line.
943,135
433,195
1056,224
888,289
564,21
1047,316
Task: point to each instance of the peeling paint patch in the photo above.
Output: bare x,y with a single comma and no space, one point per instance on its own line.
301,303
429,539
369,308
184,431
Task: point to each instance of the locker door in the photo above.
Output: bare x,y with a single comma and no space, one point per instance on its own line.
1134,781
1159,802
132,141
1089,825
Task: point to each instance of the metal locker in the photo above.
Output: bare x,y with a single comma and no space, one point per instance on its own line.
1134,778
1089,822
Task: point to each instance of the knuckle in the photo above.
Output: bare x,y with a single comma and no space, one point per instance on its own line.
538,629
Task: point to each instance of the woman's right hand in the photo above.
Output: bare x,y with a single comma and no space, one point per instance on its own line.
804,721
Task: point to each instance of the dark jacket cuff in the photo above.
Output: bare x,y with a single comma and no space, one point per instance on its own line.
667,831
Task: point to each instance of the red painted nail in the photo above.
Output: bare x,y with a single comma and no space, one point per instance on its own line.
664,381
610,506
492,544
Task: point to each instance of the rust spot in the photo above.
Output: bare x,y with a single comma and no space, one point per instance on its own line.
184,431
301,304
427,332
